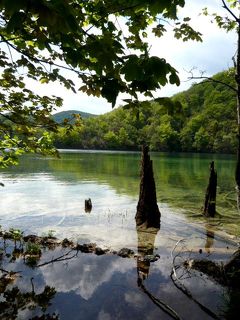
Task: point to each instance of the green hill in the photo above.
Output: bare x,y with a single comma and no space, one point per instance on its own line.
201,119
60,116
210,111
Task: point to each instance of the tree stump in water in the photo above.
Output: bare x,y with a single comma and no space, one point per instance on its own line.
147,208
210,197
88,205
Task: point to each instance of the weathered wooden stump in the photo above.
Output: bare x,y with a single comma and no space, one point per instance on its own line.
147,208
88,205
210,197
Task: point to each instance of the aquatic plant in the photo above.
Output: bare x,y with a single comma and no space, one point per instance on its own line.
33,249
16,235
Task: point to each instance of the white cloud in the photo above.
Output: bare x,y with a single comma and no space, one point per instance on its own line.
213,55
104,316
86,275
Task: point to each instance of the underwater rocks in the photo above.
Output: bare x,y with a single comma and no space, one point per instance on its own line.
125,253
31,241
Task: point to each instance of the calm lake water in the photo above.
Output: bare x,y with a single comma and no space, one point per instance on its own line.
43,194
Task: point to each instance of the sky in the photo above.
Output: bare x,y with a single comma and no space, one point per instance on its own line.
212,55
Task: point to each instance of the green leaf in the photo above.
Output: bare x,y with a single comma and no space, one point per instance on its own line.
15,21
44,80
132,69
174,79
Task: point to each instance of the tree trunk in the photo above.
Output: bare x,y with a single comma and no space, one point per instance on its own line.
210,197
237,173
147,208
237,79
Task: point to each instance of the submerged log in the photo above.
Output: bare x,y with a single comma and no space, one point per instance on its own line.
210,197
147,209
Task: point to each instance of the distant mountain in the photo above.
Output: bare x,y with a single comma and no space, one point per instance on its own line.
60,116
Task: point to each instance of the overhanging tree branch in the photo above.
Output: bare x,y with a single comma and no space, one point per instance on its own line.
98,58
37,60
230,11
209,79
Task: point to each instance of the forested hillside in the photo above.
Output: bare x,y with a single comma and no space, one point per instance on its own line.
59,117
203,121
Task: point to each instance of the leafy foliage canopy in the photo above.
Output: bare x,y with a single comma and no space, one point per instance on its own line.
41,39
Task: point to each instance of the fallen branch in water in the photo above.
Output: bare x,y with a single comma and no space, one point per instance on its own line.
9,272
179,284
161,304
60,258
190,296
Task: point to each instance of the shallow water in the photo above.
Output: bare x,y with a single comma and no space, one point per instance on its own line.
45,194
88,286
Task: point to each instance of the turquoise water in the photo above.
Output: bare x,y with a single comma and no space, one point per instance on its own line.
43,194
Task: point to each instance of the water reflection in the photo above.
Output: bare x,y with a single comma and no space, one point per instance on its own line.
47,193
21,304
88,286
231,307
146,240
209,238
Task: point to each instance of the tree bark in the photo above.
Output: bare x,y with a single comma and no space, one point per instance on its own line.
147,209
210,197
237,79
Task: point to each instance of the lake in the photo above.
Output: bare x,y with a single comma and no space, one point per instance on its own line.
45,195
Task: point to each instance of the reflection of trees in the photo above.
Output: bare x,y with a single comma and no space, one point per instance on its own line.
13,301
146,240
180,178
209,239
